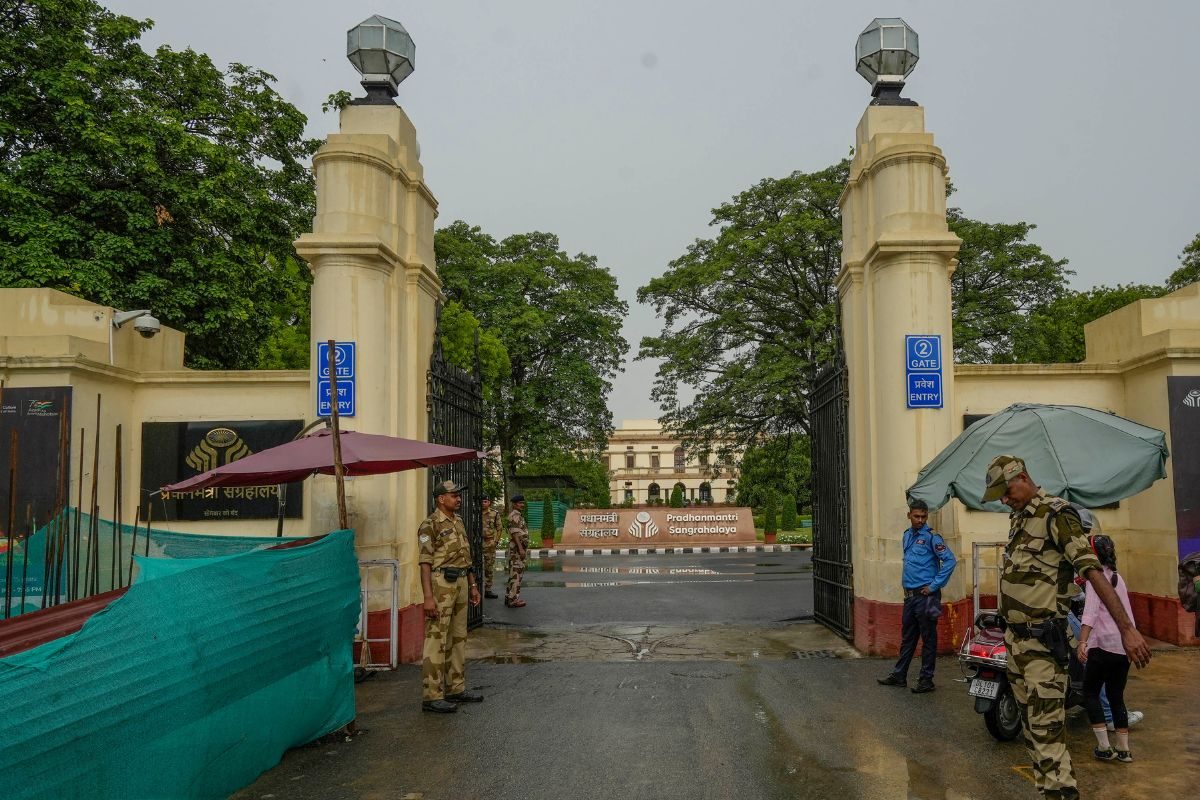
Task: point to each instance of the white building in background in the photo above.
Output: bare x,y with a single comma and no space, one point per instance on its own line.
646,464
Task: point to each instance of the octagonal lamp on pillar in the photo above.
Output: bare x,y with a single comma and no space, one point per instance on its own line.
384,54
885,55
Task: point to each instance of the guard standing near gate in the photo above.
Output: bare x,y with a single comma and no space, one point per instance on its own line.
928,564
1046,546
448,584
492,529
518,549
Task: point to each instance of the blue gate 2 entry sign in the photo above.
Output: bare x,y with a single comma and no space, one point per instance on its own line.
923,370
344,365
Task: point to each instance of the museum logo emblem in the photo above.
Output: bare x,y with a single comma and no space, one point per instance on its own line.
1192,399
219,446
642,526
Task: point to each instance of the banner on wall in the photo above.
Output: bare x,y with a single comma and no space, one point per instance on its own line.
1183,394
36,414
173,451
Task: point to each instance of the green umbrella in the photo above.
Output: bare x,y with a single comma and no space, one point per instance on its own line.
1089,457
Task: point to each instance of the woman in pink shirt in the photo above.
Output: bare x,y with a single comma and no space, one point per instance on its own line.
1101,650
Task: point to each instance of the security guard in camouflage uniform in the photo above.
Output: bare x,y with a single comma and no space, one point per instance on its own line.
1046,546
448,584
492,529
518,549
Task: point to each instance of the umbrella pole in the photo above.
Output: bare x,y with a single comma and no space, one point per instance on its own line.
338,468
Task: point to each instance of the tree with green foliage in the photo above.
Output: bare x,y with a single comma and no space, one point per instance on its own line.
547,521
1189,266
788,522
749,314
676,497
1053,334
769,520
590,474
778,464
558,319
157,181
1001,279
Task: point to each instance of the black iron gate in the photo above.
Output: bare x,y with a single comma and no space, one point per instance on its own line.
833,591
454,400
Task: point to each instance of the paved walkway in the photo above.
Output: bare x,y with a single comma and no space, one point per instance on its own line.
719,689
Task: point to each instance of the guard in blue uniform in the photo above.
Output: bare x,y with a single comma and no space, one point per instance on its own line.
928,564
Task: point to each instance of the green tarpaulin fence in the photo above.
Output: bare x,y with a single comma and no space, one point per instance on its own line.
192,683
29,557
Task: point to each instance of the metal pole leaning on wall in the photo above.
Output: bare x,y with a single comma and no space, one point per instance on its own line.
137,523
12,521
94,527
117,578
25,550
338,468
73,578
61,498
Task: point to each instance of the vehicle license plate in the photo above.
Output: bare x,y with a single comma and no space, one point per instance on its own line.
988,689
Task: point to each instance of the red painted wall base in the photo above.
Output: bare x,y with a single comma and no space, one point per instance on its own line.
412,635
877,624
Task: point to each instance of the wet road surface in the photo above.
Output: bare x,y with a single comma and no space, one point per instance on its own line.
651,687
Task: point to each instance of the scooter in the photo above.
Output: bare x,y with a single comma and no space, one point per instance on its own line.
983,658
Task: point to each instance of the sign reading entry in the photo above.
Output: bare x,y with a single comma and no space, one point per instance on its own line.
923,369
344,358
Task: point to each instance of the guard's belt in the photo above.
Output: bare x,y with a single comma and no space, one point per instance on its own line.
1026,630
454,573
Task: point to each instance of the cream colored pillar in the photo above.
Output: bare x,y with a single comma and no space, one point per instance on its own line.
897,259
374,283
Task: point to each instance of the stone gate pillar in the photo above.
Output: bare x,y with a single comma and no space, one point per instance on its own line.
375,284
897,259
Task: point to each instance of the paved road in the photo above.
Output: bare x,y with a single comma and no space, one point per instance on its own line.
693,685
735,588
801,728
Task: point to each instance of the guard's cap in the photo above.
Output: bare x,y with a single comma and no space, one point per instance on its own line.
517,498
1002,470
446,487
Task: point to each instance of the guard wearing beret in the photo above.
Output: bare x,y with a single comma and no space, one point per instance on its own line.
448,585
518,550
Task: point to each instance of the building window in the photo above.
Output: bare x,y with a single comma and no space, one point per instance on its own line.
704,459
680,460
629,460
629,495
706,495
654,461
652,491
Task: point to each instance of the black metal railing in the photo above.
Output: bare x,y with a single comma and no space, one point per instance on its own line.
454,401
833,590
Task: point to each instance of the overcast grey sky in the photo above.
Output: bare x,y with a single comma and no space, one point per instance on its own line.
618,125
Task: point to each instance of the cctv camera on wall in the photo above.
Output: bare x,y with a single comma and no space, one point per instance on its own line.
147,326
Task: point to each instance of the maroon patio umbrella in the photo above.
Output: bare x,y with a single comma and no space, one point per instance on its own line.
362,454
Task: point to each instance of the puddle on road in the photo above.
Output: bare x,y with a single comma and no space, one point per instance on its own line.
516,645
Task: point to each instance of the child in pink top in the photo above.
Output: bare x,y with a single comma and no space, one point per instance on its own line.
1100,648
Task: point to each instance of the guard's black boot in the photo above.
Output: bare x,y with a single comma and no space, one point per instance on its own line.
892,680
465,697
924,685
490,594
438,706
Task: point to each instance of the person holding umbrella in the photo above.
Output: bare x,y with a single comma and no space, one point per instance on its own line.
448,584
1046,545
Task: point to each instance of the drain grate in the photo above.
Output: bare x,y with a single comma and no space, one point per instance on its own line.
817,653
